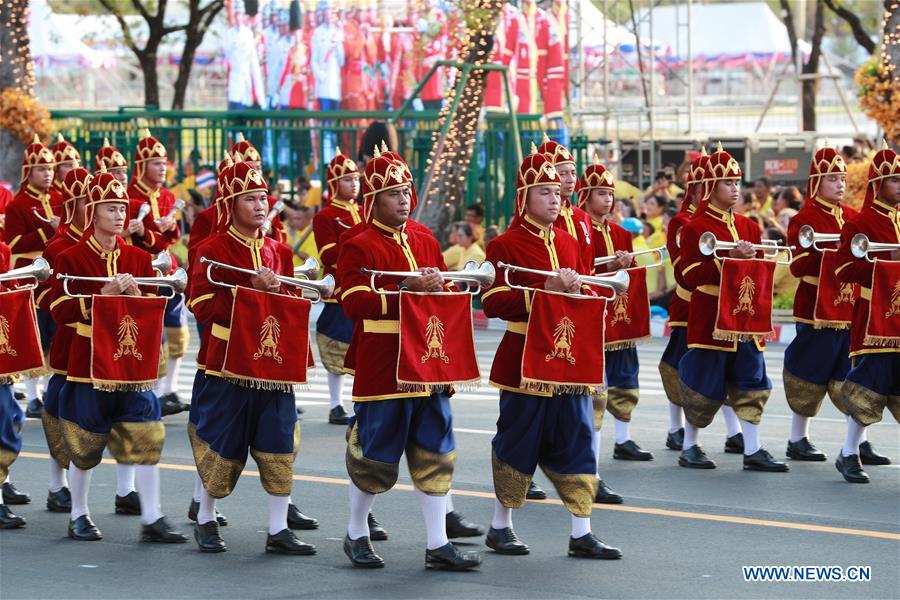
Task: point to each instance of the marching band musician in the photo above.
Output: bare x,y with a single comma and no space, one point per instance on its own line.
228,419
88,416
243,151
66,157
553,430
873,382
715,371
389,421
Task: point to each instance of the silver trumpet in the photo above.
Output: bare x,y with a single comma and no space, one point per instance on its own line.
179,204
176,282
321,288
617,282
711,246
861,247
308,269
273,212
605,260
39,270
162,264
40,216
471,274
143,211
808,238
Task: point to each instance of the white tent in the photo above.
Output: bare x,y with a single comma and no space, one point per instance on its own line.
53,42
617,36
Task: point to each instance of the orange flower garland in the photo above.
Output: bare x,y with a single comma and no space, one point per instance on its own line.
23,116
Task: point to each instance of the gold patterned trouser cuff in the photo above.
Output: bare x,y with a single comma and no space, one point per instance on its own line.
219,475
671,382
7,458
55,442
599,402
84,448
163,366
835,393
867,406
276,471
698,409
137,443
177,339
371,476
621,402
576,490
510,485
804,397
431,472
748,404
332,353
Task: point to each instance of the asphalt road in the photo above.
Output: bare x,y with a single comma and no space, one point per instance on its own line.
684,533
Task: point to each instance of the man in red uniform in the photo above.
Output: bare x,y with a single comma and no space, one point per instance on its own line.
243,151
550,429
67,158
572,219
713,372
388,420
873,382
88,416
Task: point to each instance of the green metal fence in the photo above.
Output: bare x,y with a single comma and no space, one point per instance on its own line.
292,142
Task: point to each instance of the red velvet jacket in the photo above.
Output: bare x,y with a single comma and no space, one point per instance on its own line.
702,274
328,225
607,238
66,237
679,306
525,244
25,233
88,258
5,261
823,218
880,223
374,348
161,202
577,223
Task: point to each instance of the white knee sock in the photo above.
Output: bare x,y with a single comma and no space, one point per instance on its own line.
169,383
864,437
198,487
434,509
124,479
751,437
207,510
147,479
80,482
449,503
732,423
360,505
676,417
502,516
31,388
691,435
57,477
278,509
336,389
595,444
622,431
799,427
581,526
855,433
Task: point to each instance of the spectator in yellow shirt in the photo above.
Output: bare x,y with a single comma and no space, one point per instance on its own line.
301,240
475,218
464,250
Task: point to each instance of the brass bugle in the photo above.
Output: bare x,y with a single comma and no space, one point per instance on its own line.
38,214
618,282
162,264
861,247
710,245
308,269
39,270
273,212
179,204
321,288
809,238
605,260
176,282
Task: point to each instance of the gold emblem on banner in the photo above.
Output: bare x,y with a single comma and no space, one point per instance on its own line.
745,297
845,294
434,334
895,301
5,347
269,334
563,335
620,309
128,332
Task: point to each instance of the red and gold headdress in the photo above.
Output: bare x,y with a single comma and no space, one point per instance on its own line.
383,172
556,152
696,176
104,188
536,169
884,164
414,197
147,149
595,177
75,186
826,161
36,154
340,166
242,150
239,178
109,157
64,152
721,167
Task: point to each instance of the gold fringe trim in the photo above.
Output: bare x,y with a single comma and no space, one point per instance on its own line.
626,344
839,325
119,386
532,385
882,341
735,336
426,389
261,384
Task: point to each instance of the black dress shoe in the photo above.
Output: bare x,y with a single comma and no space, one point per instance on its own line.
129,504
459,527
675,441
84,530
10,520
361,553
297,520
11,495
606,495
804,450
761,460
285,542
19,396
377,533
161,532
170,404
194,508
631,451
868,456
34,409
735,444
505,541
588,546
449,558
208,538
535,492
851,468
695,458
59,501
338,416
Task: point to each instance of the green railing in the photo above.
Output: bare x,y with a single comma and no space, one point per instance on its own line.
291,142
